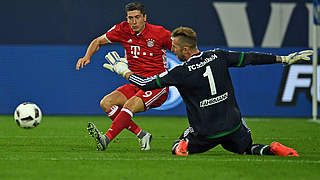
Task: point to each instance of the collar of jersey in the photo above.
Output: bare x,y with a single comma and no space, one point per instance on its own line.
194,56
143,32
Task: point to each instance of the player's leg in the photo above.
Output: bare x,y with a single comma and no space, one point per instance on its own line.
133,105
113,102
101,141
110,104
138,103
151,99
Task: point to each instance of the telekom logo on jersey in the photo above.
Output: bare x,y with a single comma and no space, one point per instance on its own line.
135,51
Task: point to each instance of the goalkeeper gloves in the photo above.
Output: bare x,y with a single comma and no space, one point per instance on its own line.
296,56
116,64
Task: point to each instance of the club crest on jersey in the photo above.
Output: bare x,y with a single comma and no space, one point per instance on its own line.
150,42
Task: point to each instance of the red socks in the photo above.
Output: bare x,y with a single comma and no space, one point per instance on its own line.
122,121
113,113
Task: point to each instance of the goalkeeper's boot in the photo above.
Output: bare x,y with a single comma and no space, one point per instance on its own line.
182,148
101,140
145,142
281,150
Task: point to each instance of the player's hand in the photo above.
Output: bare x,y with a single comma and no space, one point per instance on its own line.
82,61
116,64
296,56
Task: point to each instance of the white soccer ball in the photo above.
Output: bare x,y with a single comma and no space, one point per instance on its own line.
27,115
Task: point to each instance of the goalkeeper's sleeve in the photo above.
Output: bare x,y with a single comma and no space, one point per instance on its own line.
144,83
174,77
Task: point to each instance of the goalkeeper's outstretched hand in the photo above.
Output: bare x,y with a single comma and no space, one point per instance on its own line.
116,64
296,56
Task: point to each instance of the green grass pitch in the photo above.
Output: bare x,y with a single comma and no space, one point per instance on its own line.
60,148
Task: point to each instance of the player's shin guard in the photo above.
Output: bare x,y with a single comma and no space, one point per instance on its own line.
119,123
260,149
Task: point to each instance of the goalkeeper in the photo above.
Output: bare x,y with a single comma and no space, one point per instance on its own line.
204,83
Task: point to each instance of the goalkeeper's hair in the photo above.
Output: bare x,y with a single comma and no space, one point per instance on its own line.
135,6
187,37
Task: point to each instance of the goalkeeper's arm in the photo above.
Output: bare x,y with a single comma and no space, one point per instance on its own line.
237,59
143,83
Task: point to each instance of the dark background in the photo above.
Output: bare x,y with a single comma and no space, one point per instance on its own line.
80,21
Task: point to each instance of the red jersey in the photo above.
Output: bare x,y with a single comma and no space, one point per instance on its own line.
146,51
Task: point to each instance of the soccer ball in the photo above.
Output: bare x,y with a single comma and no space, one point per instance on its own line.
27,115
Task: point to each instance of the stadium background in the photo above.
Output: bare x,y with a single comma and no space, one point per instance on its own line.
41,41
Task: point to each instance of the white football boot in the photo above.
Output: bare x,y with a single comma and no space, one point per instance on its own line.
145,142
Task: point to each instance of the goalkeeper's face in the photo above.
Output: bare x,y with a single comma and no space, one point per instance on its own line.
136,20
178,49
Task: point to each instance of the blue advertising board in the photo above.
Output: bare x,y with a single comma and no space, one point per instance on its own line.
47,76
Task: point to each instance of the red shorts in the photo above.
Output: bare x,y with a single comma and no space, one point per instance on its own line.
151,99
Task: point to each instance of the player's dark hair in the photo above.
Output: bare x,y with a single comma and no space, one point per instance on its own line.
188,37
135,6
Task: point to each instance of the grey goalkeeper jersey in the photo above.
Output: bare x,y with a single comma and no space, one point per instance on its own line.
205,85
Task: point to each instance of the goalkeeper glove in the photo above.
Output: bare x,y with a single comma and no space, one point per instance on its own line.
116,64
296,56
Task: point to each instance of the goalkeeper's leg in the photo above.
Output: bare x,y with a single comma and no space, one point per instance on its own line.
241,142
259,149
192,143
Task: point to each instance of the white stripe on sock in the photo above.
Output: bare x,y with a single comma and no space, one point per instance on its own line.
127,111
113,110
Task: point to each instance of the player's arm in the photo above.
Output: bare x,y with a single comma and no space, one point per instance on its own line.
241,59
92,49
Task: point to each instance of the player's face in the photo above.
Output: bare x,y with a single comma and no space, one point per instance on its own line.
178,50
136,20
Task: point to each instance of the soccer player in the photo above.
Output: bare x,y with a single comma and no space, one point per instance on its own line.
145,46
204,83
